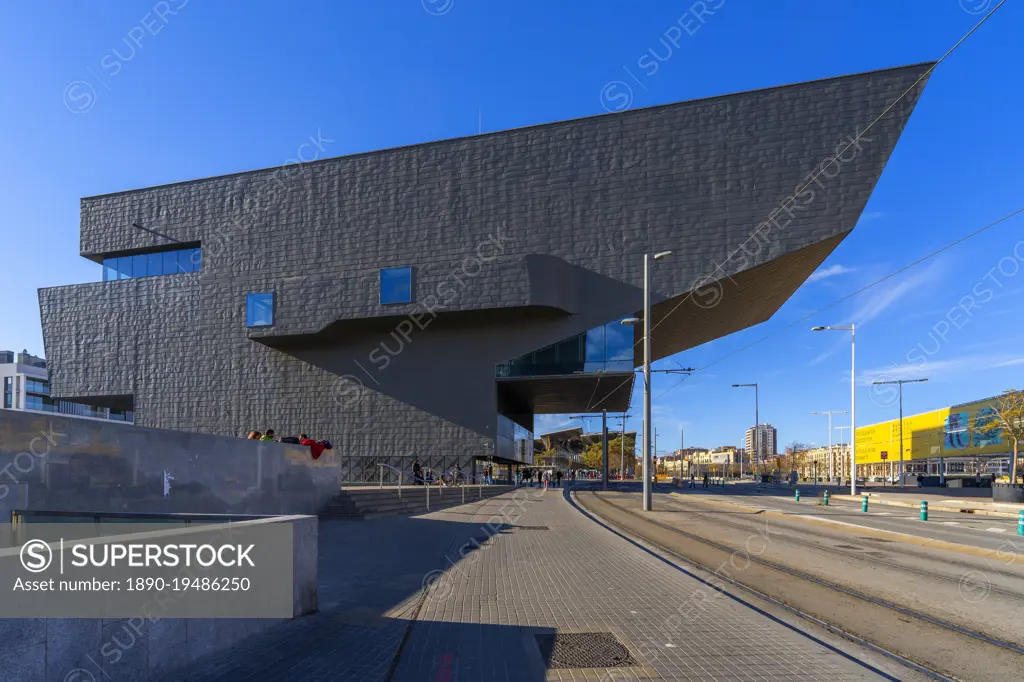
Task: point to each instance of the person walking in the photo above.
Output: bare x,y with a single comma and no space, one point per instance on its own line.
705,484
417,471
558,478
692,481
547,479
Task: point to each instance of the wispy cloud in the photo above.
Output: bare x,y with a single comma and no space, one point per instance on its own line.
881,298
830,271
943,369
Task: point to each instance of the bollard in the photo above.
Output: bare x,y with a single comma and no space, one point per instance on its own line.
826,498
863,503
924,510
1020,523
797,494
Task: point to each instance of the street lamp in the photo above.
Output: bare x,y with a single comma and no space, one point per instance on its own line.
648,491
853,398
757,435
830,456
900,383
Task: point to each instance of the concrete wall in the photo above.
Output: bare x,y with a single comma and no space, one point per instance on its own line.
61,463
131,649
474,217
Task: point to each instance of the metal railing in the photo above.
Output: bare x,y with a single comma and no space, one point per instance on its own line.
433,480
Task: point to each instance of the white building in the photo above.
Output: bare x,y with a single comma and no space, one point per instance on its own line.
767,442
26,388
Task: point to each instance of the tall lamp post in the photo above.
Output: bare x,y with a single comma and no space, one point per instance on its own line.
648,491
830,456
853,398
757,434
900,382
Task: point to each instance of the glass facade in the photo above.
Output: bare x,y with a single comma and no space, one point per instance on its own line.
396,285
259,310
37,386
8,392
152,264
607,348
513,441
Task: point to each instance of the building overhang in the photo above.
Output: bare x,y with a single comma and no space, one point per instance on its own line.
563,394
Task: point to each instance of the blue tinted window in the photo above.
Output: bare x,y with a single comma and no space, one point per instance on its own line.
184,260
170,259
619,346
109,269
154,264
396,285
124,267
139,266
259,310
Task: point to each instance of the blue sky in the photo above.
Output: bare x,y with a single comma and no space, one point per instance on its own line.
111,96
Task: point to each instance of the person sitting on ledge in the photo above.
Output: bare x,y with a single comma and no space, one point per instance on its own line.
291,440
315,447
255,435
269,435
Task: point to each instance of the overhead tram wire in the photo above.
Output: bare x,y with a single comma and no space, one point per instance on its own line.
878,281
778,209
892,274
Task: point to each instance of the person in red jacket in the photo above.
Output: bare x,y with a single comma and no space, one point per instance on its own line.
315,446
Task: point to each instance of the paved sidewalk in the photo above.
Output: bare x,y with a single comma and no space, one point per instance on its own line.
499,573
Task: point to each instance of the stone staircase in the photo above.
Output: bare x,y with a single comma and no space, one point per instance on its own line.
371,502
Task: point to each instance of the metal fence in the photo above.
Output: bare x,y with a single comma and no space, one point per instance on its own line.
356,469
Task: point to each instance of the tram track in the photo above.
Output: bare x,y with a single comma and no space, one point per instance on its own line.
710,517
934,646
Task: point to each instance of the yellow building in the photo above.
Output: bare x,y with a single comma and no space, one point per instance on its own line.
963,438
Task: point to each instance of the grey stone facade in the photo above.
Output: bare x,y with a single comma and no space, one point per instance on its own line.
517,239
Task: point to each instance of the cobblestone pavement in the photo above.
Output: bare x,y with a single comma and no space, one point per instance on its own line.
501,572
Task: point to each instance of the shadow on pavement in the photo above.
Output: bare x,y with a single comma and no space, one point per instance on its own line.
373,576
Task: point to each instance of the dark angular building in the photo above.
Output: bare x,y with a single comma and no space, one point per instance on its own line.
430,300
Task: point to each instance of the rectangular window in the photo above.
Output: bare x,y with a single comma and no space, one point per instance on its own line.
124,267
259,310
154,264
139,265
396,285
8,392
185,260
109,269
170,259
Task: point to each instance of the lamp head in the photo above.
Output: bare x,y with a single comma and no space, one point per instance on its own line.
630,320
819,329
662,254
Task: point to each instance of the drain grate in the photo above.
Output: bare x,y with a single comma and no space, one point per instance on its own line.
532,527
583,650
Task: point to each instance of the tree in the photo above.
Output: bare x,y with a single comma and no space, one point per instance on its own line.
794,447
1009,412
546,458
593,455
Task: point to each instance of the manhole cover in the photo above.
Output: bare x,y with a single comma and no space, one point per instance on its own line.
583,650
531,527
